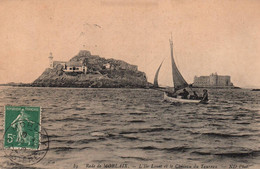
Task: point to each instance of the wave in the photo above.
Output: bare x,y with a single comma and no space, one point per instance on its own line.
84,141
63,141
98,134
248,110
179,149
168,139
154,130
138,114
136,121
76,142
172,149
101,114
83,148
55,136
148,148
136,158
146,130
224,135
69,119
240,154
64,136
62,149
130,138
128,132
80,108
200,153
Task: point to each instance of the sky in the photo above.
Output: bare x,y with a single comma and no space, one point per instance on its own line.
209,36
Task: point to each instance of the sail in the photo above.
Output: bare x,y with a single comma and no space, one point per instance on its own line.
155,83
178,81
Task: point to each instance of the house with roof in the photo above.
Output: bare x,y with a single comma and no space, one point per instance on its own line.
73,66
107,65
69,67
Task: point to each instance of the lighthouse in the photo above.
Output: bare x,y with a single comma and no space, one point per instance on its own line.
50,61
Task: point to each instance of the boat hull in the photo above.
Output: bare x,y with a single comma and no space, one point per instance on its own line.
179,100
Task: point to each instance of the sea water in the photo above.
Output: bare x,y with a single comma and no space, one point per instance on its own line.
135,128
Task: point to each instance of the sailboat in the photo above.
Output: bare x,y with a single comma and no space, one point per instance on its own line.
178,82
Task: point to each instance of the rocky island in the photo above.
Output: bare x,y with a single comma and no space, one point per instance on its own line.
86,70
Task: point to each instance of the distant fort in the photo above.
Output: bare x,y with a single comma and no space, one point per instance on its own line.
213,80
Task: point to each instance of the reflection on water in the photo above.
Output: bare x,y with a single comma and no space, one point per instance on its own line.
134,126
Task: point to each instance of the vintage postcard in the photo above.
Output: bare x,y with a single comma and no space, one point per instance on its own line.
136,84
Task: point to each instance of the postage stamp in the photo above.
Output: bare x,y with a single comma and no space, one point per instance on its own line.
25,141
22,127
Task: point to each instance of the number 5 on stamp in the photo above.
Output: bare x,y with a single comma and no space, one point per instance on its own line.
22,127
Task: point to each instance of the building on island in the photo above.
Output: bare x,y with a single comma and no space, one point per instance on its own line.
213,80
85,62
71,66
75,67
107,66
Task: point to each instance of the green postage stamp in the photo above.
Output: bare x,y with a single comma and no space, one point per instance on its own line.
22,127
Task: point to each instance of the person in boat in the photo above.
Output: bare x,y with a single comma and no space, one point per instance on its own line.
194,96
184,94
205,96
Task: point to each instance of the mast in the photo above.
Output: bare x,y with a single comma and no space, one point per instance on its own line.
171,45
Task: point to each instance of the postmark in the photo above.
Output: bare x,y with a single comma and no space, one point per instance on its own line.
25,141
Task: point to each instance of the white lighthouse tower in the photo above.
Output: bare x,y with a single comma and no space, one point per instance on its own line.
50,61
